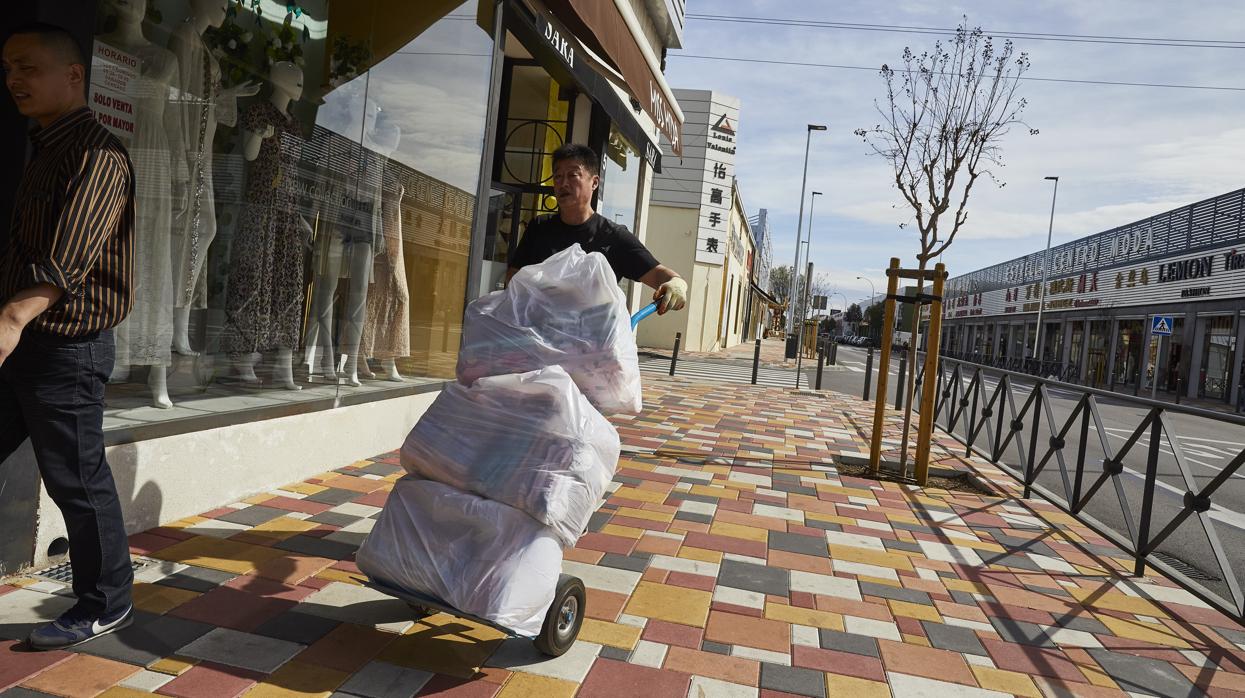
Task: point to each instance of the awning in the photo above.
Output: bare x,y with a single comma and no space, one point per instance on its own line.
559,51
383,26
607,31
772,301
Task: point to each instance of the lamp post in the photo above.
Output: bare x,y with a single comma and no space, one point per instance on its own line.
872,293
845,304
806,303
799,230
1037,338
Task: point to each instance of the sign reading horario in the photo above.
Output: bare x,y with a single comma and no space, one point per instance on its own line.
1193,252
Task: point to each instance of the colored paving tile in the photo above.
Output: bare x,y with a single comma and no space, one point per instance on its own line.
754,569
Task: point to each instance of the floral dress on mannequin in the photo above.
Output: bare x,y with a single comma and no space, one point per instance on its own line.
387,330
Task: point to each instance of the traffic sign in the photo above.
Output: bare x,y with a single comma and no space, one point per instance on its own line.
1161,325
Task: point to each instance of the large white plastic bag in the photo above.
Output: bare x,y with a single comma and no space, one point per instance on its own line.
566,311
530,440
478,556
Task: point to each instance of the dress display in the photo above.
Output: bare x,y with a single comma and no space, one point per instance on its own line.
264,306
387,328
146,336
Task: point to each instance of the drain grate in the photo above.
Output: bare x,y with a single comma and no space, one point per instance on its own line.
63,572
1184,568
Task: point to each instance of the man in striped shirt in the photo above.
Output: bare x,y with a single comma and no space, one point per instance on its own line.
65,280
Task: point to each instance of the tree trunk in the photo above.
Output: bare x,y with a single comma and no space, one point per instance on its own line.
910,386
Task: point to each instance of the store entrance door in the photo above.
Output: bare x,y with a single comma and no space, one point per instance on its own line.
1218,350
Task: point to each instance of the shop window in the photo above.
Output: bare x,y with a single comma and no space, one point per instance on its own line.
306,182
1099,345
1218,350
620,181
1128,351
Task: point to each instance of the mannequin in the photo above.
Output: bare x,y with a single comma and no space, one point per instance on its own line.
203,106
387,329
265,296
159,169
347,251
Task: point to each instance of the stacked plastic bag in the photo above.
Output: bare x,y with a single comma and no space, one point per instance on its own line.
507,466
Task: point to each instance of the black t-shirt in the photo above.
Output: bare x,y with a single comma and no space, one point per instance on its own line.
547,235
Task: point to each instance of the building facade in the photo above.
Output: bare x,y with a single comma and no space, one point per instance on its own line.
1106,295
322,186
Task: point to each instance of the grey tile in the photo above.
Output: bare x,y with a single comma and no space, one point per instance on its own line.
1021,632
19,692
381,469
698,518
758,578
332,518
954,638
196,579
795,489
687,496
1231,634
963,597
1019,562
318,547
598,520
902,545
715,647
298,627
1021,545
1144,675
1092,625
823,525
616,653
896,593
243,650
253,515
384,680
149,638
798,543
801,682
334,496
917,528
848,642
627,480
625,562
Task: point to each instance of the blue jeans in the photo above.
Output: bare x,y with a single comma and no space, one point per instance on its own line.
52,391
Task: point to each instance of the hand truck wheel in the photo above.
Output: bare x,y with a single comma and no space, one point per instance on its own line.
565,616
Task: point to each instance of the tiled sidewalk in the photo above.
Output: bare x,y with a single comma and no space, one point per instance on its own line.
773,353
728,561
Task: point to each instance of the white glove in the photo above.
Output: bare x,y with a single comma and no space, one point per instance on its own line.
671,295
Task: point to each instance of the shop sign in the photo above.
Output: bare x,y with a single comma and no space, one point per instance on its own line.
113,73
1233,260
1185,269
560,43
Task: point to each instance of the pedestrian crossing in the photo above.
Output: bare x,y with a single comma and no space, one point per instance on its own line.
715,372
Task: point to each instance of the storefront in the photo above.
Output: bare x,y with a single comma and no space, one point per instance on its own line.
1104,292
321,188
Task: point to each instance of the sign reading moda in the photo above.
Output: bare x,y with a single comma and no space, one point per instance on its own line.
1197,251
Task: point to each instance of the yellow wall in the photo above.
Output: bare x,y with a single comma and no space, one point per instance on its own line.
670,234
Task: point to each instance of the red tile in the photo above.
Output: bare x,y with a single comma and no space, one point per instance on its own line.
929,662
604,605
18,664
347,647
233,608
443,686
299,505
665,633
217,513
609,678
1028,615
726,544
606,543
1032,660
647,475
691,581
174,533
911,626
640,523
209,680
5,588
146,543
732,608
735,505
372,499
803,599
835,662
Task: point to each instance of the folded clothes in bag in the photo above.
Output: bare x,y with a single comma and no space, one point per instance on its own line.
531,441
480,557
567,311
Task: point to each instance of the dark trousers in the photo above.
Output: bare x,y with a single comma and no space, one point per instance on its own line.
52,391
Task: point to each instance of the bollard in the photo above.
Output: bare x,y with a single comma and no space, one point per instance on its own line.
899,387
820,363
834,354
756,361
1179,385
868,373
674,358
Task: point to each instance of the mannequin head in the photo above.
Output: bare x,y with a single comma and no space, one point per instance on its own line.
286,79
210,11
387,134
129,13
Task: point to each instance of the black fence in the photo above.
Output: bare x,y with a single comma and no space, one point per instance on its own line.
1120,464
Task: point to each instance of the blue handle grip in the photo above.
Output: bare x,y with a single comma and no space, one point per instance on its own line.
643,313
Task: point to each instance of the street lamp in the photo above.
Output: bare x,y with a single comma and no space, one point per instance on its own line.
1037,338
808,250
872,292
799,229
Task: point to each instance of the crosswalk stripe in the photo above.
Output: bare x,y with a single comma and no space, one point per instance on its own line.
720,372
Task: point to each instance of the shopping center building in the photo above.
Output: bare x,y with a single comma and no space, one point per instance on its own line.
321,188
1100,300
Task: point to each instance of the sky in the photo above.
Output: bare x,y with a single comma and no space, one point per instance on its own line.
1121,153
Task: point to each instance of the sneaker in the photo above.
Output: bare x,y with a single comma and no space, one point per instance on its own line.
72,628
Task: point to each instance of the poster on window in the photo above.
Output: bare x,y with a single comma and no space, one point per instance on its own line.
113,74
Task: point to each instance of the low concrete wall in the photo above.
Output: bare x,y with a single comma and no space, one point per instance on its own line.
162,480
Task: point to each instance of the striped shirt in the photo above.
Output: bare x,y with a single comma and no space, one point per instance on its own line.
73,227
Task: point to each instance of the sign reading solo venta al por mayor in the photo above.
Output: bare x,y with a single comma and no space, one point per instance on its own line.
1177,256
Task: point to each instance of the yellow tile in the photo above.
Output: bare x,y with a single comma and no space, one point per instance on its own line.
224,555
636,465
846,491
284,524
173,666
123,692
523,685
186,522
299,679
670,603
687,552
965,586
856,688
160,599
624,531
432,646
340,576
612,634
878,580
1096,597
304,488
257,499
1146,632
914,610
736,485
641,495
21,582
1005,681
714,491
460,626
722,528
804,616
644,514
870,557
1097,676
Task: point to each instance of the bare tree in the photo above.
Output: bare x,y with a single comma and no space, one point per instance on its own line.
946,113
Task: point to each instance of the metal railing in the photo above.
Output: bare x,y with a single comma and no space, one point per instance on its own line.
1052,437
